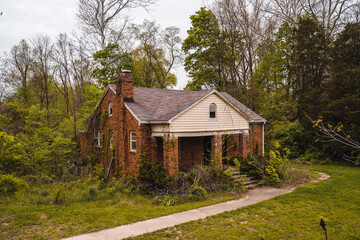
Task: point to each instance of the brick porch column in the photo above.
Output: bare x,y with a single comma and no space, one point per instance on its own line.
216,150
245,145
171,155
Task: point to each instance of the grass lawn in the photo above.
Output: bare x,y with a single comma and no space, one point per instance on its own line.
30,215
292,216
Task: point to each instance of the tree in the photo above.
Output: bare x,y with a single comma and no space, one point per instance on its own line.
308,65
99,19
343,94
110,61
43,51
158,51
148,73
16,69
246,26
330,15
206,52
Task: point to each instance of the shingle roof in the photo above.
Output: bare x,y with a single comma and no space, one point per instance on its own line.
252,116
153,104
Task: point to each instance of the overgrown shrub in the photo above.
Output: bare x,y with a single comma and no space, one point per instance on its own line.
152,176
276,170
10,184
209,178
197,193
167,200
289,134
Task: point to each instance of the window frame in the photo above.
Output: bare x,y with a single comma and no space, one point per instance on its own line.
132,140
110,109
213,109
97,138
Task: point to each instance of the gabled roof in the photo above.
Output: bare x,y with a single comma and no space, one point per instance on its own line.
161,105
251,115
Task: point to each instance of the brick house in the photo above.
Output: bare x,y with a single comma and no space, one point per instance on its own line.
179,128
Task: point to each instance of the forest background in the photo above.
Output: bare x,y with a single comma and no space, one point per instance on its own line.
294,62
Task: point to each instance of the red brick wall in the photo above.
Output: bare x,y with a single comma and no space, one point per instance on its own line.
171,155
256,138
192,152
121,122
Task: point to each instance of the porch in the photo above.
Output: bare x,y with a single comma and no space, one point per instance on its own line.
181,153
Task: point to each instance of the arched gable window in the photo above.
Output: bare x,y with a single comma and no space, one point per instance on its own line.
212,110
110,109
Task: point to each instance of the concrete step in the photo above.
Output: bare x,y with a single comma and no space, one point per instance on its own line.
251,182
251,186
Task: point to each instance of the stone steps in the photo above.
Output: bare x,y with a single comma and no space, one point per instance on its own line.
249,181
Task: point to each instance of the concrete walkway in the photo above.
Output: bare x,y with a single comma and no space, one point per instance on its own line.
251,197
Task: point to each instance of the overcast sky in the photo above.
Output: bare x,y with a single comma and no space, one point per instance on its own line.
23,19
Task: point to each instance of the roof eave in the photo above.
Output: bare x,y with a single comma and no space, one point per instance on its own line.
155,122
258,121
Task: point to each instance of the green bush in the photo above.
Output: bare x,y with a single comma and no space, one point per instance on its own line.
276,170
167,200
290,135
152,176
10,184
197,192
210,178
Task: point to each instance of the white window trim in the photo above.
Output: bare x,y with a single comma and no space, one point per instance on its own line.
97,138
216,112
110,107
132,140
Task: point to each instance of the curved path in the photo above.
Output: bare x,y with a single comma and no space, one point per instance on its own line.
134,229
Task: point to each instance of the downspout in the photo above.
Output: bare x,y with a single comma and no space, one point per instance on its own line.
263,150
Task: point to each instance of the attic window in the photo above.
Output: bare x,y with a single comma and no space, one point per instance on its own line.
212,110
110,108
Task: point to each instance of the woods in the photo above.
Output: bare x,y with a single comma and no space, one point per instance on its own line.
283,59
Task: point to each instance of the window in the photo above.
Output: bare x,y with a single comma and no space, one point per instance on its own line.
111,139
132,141
110,109
97,138
212,110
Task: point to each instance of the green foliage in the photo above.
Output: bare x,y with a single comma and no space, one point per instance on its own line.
205,49
167,200
197,193
290,135
13,158
152,75
60,197
104,117
335,199
99,172
277,167
152,176
210,178
11,184
111,60
308,65
90,195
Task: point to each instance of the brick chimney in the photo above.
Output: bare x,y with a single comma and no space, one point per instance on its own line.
125,85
